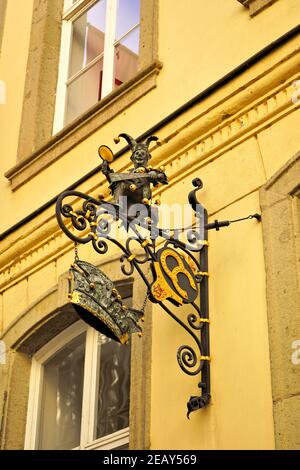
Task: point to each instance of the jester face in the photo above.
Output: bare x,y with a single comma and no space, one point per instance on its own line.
140,156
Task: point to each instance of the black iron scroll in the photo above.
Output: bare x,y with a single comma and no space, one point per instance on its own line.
93,220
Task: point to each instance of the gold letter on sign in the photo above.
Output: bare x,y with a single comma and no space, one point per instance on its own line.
175,279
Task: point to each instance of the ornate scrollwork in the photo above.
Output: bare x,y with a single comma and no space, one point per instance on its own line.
187,359
178,275
194,321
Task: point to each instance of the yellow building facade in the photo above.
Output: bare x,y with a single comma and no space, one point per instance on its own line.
219,83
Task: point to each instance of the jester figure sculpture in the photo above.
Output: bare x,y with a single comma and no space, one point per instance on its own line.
135,185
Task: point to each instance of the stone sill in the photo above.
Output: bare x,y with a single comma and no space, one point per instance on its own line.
85,125
256,6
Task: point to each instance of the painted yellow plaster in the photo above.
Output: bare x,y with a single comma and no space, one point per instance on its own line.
41,281
239,348
196,68
14,301
234,159
13,61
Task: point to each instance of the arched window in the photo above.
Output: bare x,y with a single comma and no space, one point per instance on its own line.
79,392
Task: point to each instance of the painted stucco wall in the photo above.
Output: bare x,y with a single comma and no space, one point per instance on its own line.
235,140
195,52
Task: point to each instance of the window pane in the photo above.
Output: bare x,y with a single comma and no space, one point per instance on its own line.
87,37
128,15
61,401
113,390
84,92
126,57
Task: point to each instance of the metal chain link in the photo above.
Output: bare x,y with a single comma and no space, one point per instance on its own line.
76,257
145,302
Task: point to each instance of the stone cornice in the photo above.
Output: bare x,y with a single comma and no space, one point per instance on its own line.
227,135
203,133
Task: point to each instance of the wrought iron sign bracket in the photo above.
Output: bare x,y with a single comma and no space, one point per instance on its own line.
178,259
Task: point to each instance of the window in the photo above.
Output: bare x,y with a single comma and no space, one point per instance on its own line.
99,52
45,86
79,392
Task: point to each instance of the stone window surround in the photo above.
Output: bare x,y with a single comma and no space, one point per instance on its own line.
43,320
3,5
280,203
37,147
256,6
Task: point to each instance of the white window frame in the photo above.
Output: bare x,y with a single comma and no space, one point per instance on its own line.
70,14
90,388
